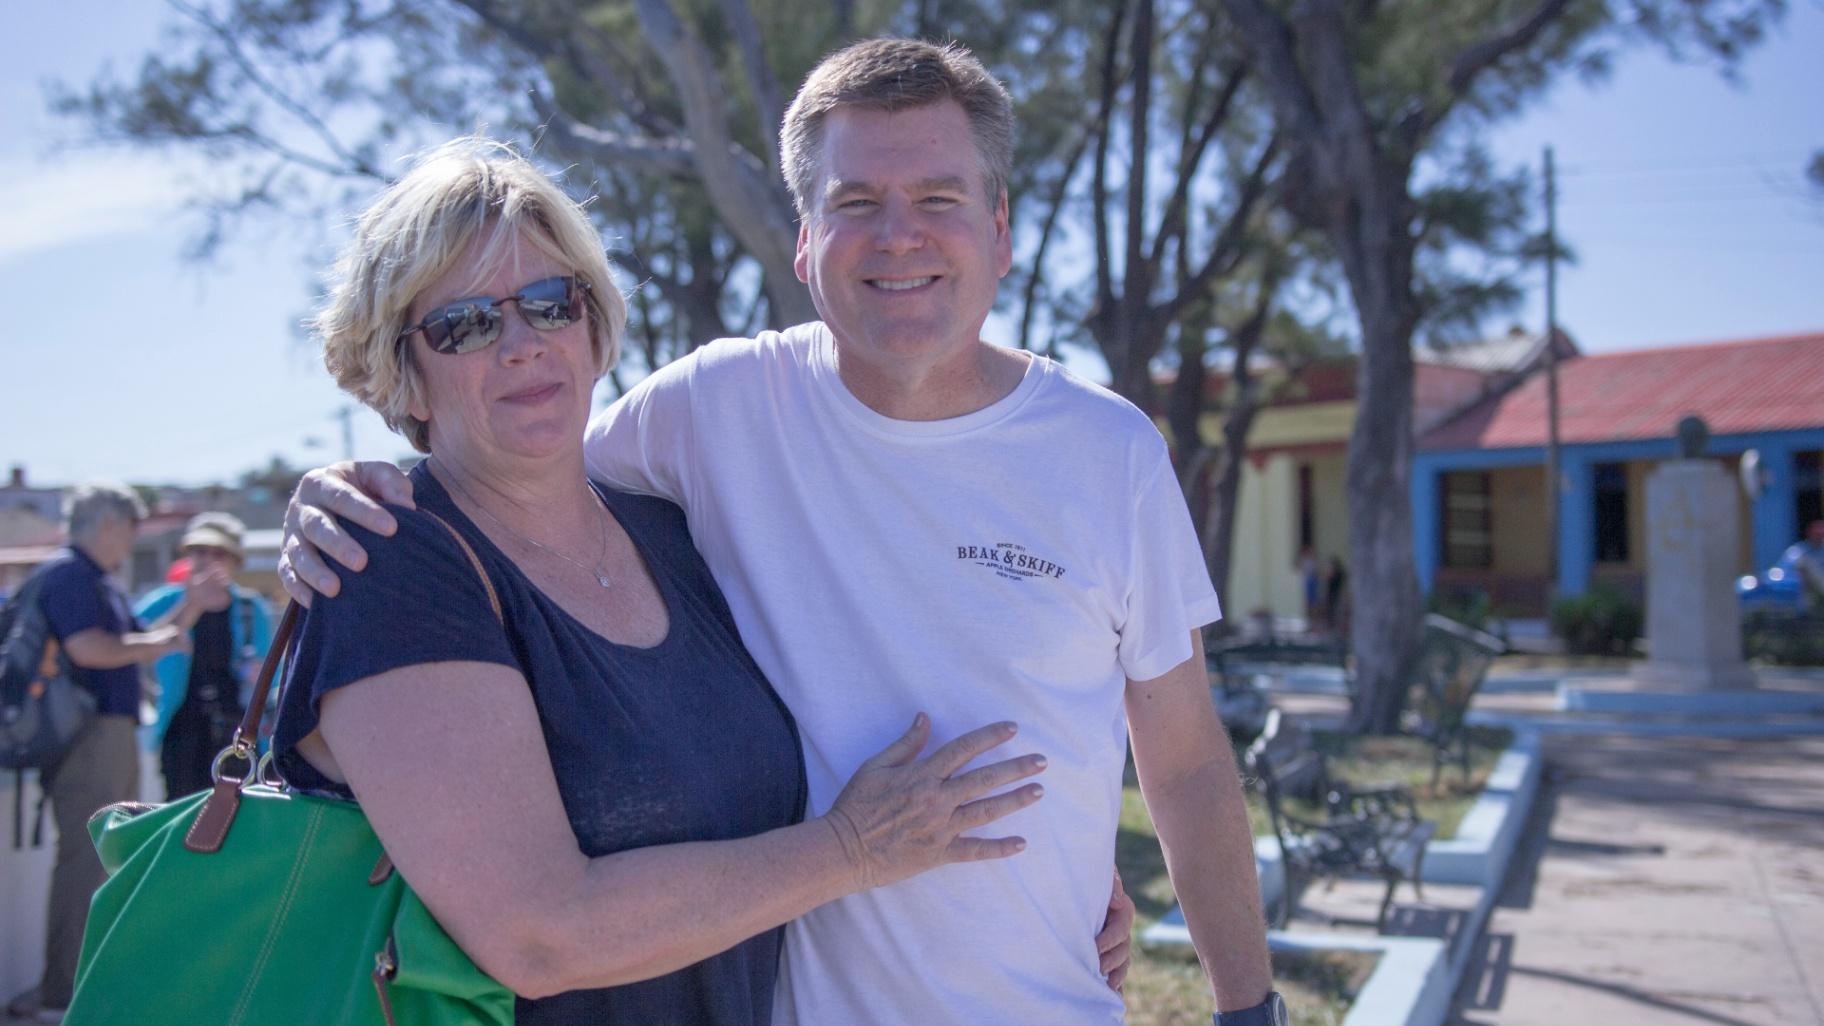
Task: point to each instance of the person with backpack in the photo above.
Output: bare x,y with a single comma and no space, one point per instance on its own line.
97,642
202,692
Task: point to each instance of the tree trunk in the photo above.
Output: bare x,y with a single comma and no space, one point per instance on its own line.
1218,535
1375,242
742,188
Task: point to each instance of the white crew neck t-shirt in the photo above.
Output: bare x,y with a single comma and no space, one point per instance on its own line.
1020,562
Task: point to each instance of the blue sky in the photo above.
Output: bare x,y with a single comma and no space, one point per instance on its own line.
1681,194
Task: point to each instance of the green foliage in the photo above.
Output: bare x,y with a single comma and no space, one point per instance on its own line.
1468,606
1784,637
1601,621
1474,241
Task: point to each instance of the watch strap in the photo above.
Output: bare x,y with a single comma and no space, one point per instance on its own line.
1270,1012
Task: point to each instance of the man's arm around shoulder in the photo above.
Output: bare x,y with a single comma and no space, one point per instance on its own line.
1188,778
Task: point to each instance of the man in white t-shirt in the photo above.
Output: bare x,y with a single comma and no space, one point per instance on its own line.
906,518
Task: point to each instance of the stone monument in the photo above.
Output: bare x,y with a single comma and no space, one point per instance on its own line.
1694,621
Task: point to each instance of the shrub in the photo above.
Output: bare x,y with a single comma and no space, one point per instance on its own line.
1601,621
1784,636
1468,606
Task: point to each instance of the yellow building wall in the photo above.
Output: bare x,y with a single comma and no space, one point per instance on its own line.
1637,516
1261,575
1330,518
1262,571
1516,498
1300,424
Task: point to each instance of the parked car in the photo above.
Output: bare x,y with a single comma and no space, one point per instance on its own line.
1777,587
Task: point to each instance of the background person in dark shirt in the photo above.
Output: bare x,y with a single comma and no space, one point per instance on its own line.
88,615
202,693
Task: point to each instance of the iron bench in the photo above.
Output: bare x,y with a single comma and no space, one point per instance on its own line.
1372,832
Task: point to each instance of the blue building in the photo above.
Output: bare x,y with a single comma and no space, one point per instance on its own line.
1478,479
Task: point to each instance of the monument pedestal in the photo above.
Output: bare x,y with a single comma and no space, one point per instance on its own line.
1694,621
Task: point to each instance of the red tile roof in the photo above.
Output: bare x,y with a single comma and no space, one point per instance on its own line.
1767,384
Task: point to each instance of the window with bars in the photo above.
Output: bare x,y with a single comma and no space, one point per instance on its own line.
1610,494
1808,487
1467,538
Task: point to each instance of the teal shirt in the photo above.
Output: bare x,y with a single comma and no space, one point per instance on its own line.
247,613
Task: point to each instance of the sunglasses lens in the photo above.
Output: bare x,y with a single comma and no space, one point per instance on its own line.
463,327
472,324
549,304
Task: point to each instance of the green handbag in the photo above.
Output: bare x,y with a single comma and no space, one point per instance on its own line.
250,904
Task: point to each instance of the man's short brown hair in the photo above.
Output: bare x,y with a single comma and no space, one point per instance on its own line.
894,75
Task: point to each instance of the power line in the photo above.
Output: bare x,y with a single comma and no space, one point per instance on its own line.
1664,201
1793,158
1735,248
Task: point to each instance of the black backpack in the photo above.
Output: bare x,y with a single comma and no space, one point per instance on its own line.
42,705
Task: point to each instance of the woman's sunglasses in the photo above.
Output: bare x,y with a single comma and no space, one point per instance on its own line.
470,324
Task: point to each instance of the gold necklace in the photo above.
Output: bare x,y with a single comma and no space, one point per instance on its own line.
600,575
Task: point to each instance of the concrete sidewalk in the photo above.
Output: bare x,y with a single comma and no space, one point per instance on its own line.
1662,880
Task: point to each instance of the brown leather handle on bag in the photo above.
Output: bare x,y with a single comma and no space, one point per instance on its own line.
211,827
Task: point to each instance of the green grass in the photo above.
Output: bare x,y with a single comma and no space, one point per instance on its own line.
1367,761
1166,986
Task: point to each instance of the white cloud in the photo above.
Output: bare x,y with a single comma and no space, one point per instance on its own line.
50,204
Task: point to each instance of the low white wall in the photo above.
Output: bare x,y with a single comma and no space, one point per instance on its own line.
25,878
1486,838
1413,983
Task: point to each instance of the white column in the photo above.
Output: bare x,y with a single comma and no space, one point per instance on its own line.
1694,624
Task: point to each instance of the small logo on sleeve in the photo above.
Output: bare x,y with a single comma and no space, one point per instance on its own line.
1006,559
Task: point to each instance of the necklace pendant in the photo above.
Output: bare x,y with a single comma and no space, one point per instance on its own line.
602,579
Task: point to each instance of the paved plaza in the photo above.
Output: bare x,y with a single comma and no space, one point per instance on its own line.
1662,880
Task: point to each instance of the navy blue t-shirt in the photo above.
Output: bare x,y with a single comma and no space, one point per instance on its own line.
684,741
77,594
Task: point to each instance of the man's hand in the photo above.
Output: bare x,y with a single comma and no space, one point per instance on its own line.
347,490
208,591
159,642
1115,942
168,640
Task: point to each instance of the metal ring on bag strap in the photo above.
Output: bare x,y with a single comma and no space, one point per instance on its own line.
235,750
250,720
267,773
209,830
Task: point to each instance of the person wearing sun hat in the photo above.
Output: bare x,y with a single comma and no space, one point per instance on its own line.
202,692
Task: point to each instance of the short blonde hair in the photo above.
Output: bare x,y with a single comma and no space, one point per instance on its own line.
893,75
467,189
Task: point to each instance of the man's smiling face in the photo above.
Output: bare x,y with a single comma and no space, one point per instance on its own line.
903,249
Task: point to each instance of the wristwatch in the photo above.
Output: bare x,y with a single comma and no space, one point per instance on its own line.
1271,1012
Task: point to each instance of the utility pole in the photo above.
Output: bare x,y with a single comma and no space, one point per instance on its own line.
1552,475
347,416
